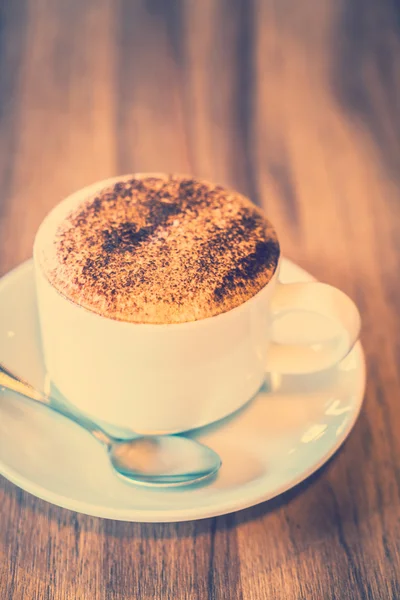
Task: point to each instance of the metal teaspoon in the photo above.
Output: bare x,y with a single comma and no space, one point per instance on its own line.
153,461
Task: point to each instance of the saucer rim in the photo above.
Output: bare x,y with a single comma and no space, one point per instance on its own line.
195,512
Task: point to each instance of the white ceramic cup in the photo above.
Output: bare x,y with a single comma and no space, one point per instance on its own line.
173,377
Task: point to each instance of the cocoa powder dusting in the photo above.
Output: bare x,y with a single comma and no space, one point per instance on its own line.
162,249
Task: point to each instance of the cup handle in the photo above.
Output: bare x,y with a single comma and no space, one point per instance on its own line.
314,326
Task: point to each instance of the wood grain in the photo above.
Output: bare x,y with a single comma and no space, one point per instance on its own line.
298,105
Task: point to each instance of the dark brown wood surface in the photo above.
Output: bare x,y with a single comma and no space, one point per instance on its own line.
298,105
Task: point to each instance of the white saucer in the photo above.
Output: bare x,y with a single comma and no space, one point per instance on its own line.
276,441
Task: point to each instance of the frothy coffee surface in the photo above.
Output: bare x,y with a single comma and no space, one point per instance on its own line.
161,249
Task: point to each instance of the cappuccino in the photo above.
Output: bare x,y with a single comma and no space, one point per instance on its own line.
160,249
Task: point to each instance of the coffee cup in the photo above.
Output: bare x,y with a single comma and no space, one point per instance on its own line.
175,376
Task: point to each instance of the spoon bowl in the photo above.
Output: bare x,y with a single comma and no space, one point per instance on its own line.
163,461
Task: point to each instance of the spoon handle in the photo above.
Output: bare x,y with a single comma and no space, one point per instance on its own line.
14,383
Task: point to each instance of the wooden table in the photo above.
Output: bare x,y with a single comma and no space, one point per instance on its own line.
296,104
